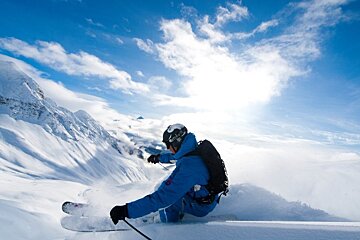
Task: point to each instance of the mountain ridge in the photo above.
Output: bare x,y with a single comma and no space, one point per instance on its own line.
35,108
80,136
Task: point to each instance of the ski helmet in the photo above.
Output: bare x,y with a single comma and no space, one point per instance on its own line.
174,135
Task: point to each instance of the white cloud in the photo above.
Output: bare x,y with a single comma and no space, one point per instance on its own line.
211,31
95,89
304,37
234,12
266,25
263,27
217,77
159,83
92,22
91,34
119,40
188,11
216,35
140,73
54,55
145,46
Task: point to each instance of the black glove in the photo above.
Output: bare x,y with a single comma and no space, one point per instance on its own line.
119,213
154,158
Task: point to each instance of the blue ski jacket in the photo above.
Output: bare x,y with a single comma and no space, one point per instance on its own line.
189,171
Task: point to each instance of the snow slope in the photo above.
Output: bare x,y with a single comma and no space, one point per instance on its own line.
49,154
239,230
27,204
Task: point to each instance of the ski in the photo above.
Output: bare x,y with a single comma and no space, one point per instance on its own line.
91,224
104,224
82,218
77,209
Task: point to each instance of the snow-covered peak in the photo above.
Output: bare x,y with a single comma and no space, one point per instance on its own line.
22,99
88,121
16,85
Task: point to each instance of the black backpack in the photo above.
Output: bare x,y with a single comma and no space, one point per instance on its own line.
219,182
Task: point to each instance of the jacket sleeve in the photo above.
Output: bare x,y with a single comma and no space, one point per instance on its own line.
170,191
166,157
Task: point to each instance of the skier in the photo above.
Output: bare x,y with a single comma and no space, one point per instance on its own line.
183,191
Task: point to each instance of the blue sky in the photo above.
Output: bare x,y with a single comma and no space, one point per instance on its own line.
286,67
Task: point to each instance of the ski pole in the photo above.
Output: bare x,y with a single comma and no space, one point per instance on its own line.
137,230
167,169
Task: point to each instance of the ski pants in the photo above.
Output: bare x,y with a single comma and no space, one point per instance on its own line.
186,204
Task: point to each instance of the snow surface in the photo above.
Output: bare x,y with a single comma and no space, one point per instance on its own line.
49,155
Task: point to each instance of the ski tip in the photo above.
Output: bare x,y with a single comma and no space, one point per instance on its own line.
75,204
64,204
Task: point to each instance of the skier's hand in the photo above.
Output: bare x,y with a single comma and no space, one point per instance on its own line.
119,213
154,158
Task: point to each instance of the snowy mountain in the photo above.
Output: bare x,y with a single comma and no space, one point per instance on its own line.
22,99
54,137
16,85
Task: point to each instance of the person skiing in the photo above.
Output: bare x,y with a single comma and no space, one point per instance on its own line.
183,191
